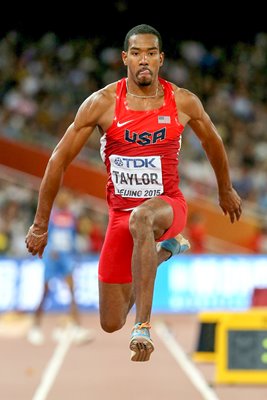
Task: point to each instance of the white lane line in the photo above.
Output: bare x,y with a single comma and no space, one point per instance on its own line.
54,365
187,366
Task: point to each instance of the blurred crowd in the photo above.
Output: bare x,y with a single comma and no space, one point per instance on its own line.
43,82
18,200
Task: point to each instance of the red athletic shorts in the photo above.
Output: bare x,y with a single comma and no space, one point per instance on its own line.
116,254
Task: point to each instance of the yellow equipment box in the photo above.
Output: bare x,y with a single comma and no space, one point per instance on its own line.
208,326
241,347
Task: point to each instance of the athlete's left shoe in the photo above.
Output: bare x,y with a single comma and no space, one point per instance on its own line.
82,335
141,344
176,245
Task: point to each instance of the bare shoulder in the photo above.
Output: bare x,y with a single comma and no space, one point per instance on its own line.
101,98
96,106
187,102
108,93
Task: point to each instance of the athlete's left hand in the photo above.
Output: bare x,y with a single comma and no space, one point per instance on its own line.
231,204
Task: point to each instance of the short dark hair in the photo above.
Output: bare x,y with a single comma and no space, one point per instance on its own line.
140,29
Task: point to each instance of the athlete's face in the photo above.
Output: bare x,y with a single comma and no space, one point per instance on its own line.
143,58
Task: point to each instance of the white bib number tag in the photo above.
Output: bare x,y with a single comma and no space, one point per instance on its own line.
136,176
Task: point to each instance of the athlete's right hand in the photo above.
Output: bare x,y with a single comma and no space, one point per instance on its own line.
36,242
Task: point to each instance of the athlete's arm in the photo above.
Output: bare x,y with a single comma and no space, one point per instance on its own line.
89,115
214,148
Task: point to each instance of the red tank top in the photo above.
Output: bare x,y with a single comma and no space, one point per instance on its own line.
140,150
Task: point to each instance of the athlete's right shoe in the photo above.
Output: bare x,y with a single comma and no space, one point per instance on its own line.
35,336
79,334
141,344
176,245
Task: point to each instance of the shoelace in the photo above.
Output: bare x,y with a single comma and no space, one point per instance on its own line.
142,325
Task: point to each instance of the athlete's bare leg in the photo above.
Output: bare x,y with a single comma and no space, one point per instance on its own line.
38,314
35,335
74,312
148,222
115,302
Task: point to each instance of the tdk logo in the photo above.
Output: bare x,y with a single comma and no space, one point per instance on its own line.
135,162
118,161
145,138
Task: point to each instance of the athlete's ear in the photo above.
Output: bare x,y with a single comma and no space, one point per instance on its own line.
161,58
124,57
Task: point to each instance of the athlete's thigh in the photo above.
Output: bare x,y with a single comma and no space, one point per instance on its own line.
161,213
179,216
169,215
65,264
114,304
115,273
50,268
116,254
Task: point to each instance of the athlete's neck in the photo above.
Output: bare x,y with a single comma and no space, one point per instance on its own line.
141,96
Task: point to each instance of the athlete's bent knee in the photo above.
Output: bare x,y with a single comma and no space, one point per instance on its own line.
110,326
141,219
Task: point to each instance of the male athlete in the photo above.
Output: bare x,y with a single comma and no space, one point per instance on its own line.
141,119
59,262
